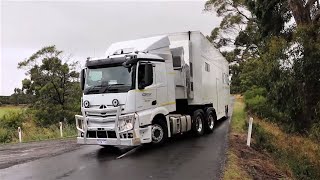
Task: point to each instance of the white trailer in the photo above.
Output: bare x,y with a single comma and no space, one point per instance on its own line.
147,90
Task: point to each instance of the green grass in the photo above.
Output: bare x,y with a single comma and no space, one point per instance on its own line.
239,116
7,109
233,170
13,116
292,151
36,133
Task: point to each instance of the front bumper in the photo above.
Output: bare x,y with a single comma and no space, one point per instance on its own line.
109,141
110,134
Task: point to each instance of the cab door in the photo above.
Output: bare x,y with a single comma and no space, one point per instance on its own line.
146,96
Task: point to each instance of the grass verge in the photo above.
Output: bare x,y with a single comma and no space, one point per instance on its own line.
299,154
12,117
245,162
233,168
9,109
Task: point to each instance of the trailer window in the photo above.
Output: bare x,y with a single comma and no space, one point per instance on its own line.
176,61
207,67
225,78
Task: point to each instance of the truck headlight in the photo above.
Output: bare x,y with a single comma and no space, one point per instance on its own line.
86,104
126,123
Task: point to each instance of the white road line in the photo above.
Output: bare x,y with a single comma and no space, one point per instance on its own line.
128,152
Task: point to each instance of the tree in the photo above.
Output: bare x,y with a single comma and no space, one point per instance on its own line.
305,12
54,85
282,58
19,97
233,22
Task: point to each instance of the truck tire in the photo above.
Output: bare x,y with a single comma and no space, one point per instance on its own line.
211,119
198,122
159,132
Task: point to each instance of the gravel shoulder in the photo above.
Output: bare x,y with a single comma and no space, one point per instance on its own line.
12,154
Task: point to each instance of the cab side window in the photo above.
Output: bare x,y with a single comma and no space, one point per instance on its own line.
145,75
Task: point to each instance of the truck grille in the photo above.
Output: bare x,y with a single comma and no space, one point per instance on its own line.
107,134
101,134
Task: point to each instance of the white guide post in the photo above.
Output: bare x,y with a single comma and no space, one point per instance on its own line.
60,124
249,131
20,134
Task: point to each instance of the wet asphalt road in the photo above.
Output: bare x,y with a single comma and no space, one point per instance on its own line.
182,158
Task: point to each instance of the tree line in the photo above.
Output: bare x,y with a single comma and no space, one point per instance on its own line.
51,88
275,57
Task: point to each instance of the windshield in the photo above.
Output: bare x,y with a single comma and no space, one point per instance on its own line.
109,80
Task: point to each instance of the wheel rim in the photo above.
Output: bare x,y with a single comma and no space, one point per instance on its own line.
211,121
199,124
157,133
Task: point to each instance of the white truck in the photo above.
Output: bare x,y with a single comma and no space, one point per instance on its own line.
147,90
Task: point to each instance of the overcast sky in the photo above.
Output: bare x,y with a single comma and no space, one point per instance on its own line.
87,28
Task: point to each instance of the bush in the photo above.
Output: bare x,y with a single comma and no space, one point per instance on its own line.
256,101
12,120
263,139
9,124
315,131
255,91
299,163
5,136
257,104
315,128
51,115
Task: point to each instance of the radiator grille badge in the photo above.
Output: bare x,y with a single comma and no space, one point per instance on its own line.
102,107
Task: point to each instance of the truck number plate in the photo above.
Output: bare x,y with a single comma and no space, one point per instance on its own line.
101,141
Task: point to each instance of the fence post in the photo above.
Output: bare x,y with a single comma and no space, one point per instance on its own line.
249,131
60,124
20,134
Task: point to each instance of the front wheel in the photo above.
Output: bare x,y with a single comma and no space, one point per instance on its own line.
159,132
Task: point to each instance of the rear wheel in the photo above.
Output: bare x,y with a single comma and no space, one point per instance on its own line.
159,132
198,122
210,120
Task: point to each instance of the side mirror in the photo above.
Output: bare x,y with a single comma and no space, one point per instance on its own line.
82,79
141,86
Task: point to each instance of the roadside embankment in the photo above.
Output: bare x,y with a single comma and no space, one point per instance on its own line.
12,117
292,152
249,162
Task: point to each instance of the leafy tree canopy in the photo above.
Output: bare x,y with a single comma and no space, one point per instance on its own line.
276,47
53,84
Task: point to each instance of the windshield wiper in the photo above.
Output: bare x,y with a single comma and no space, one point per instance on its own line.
114,85
111,85
93,89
